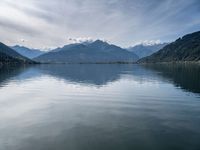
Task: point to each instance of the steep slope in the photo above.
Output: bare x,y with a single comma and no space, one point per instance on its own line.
186,48
30,53
9,56
5,59
96,52
146,50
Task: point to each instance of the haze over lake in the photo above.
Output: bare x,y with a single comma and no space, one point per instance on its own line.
96,107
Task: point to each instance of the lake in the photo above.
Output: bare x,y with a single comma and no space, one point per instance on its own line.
100,107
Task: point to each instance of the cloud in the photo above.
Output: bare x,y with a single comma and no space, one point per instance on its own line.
80,40
148,42
47,23
19,28
22,40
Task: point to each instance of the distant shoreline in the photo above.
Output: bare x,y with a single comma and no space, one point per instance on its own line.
172,62
88,63
65,63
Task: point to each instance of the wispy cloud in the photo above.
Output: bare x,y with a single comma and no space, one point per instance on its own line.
123,22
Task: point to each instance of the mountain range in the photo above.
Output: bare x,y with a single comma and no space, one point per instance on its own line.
183,49
95,52
27,52
9,56
142,50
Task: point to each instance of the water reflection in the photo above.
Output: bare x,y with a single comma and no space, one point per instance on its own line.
95,107
183,76
98,75
8,72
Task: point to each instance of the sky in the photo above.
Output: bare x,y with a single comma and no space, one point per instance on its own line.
46,24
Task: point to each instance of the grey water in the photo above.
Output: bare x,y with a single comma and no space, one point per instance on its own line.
100,107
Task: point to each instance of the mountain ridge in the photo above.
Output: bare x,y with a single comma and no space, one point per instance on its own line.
27,52
95,52
142,50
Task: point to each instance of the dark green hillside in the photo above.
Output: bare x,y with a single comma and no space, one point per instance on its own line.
9,56
5,59
186,48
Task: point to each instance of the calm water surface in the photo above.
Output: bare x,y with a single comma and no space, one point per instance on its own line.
100,107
